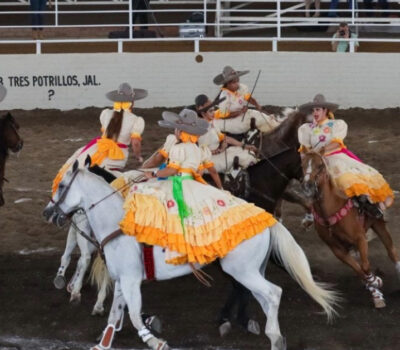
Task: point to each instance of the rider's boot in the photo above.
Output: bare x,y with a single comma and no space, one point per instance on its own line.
253,136
370,209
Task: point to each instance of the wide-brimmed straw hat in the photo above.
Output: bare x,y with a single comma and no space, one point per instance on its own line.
202,99
126,93
187,120
3,92
228,74
319,101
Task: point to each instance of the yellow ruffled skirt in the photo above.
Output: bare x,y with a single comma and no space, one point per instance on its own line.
355,178
217,222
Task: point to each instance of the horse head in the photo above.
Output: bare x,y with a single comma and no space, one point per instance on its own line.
10,138
66,200
315,172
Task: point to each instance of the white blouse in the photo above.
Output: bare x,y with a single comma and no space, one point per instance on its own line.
132,126
315,136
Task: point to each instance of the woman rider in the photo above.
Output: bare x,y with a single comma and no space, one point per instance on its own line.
120,128
196,222
223,148
353,177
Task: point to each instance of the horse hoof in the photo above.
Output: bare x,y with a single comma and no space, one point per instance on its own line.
379,303
59,282
96,348
154,324
162,345
253,327
225,328
75,299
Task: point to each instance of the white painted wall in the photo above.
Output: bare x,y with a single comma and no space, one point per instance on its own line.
174,79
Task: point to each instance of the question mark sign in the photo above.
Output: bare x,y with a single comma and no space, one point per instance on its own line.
51,94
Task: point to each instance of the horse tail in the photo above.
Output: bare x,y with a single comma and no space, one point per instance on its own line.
99,274
290,254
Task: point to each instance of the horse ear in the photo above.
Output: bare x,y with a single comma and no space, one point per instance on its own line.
75,166
322,151
88,161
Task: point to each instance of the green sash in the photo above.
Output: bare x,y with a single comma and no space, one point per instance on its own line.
177,192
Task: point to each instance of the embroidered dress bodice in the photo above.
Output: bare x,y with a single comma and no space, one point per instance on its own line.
132,126
234,101
187,156
315,136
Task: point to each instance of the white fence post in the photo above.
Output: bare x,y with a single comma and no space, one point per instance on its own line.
130,20
278,18
38,47
274,45
56,13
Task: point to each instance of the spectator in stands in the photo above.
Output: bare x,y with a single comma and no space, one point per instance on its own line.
37,17
317,5
343,32
140,5
334,5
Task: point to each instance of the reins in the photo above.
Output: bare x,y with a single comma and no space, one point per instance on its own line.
100,246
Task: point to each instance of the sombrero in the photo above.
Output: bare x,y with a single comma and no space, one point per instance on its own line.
228,74
319,101
187,120
126,93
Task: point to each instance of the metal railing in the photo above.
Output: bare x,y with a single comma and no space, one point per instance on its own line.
272,19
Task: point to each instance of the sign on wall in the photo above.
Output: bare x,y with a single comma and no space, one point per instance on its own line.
68,81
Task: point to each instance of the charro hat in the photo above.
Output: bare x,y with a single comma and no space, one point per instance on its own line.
228,74
187,120
319,101
3,92
202,99
126,93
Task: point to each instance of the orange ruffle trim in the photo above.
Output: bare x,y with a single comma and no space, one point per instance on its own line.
229,238
377,195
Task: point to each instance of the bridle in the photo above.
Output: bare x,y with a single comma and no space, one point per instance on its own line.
100,246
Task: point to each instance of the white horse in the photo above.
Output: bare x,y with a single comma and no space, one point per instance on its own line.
74,238
246,263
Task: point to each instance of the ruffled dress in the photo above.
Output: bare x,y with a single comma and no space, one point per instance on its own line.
195,222
348,172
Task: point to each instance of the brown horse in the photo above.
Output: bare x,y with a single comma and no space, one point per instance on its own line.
9,140
343,226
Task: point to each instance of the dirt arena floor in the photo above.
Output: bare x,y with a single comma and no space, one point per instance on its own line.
37,316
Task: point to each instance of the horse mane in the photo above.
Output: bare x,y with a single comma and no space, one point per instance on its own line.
284,132
106,175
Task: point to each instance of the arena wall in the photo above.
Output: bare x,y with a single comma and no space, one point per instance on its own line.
67,81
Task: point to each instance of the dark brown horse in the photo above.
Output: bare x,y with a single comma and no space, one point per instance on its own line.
9,140
342,226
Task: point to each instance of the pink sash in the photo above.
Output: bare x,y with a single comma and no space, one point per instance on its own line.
347,153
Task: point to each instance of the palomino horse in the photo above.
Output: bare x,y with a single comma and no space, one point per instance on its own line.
9,140
340,225
246,263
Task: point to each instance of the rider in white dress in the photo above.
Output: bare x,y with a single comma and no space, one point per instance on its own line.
196,222
233,116
353,177
120,128
223,148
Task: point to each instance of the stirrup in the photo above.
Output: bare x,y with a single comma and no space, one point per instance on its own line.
368,208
